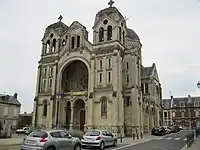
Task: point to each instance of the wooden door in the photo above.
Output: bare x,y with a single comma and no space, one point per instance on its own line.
82,120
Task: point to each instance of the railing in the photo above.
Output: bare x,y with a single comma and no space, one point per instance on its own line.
191,136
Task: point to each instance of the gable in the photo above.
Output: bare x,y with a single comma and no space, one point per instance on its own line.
155,73
100,22
76,27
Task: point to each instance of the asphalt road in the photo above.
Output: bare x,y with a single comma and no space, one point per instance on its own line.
175,141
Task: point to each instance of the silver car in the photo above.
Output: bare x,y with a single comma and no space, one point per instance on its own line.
99,138
50,140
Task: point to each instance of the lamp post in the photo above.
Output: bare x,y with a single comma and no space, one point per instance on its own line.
58,97
198,86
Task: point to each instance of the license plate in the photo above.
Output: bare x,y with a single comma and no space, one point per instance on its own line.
31,142
90,139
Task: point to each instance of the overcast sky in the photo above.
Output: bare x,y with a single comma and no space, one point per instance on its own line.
169,31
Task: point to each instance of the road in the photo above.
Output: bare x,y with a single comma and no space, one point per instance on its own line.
175,141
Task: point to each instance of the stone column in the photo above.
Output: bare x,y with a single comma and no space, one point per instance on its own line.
86,116
91,92
72,118
57,45
44,46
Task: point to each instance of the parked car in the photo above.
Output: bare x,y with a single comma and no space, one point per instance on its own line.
23,130
167,129
174,128
158,131
50,140
99,138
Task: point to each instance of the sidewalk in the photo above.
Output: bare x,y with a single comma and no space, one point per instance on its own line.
195,145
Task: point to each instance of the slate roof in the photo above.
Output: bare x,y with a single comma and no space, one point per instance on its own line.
58,24
132,35
7,99
166,103
146,71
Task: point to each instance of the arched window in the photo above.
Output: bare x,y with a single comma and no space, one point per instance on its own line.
54,45
101,34
78,41
103,107
48,47
73,40
45,105
109,33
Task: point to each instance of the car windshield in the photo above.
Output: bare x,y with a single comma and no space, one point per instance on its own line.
93,133
38,134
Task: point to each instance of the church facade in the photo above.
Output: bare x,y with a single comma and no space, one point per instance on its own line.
98,85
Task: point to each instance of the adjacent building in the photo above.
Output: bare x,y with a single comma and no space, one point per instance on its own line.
9,111
184,111
25,120
96,85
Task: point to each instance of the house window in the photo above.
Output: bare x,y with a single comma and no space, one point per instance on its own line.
165,114
45,108
109,63
127,101
120,34
73,42
109,33
5,111
103,107
182,113
127,67
127,78
100,64
196,104
100,78
44,84
182,104
78,41
146,88
50,83
173,114
101,34
109,77
15,112
45,72
51,72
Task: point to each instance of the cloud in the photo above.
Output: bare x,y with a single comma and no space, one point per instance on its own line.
169,31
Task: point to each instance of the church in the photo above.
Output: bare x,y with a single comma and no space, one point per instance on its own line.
96,85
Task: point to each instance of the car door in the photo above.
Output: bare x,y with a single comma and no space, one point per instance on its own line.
67,141
105,137
110,137
57,138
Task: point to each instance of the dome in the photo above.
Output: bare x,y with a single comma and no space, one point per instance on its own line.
132,35
58,24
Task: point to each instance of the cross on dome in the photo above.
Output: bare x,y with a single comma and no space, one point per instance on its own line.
111,3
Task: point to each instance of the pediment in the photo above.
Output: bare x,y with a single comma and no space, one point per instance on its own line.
103,18
76,26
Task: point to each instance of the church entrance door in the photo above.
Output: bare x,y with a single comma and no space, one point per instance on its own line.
79,114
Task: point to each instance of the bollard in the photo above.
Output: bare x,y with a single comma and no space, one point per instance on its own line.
121,138
133,136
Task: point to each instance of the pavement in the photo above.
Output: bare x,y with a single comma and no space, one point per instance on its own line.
195,145
174,141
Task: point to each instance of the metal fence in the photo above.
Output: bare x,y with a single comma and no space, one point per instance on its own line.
191,136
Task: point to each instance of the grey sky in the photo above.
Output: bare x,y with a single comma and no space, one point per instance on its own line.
169,31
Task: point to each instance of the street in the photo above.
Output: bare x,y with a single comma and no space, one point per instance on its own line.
175,141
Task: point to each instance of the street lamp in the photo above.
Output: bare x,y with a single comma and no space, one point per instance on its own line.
58,97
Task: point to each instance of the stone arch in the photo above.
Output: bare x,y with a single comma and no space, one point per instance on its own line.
45,104
104,106
66,63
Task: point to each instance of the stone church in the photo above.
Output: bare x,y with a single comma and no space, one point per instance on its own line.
96,85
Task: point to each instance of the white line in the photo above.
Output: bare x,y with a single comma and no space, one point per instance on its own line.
169,138
177,138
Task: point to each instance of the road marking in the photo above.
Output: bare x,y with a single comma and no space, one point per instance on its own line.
177,138
169,138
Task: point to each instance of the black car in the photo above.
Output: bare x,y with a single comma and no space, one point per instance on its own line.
158,131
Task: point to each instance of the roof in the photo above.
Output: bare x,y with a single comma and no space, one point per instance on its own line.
58,24
166,103
10,100
132,35
146,71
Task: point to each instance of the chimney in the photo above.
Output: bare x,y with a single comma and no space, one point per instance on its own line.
171,97
15,95
189,99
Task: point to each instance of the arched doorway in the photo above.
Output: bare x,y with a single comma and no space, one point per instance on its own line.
75,77
79,114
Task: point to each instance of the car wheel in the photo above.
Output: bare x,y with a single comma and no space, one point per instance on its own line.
115,143
77,147
51,148
102,145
